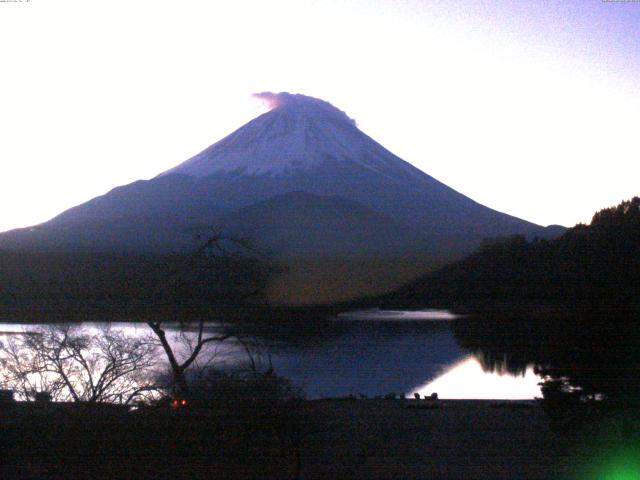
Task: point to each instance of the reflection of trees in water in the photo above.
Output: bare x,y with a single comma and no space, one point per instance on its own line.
599,355
500,344
588,356
501,363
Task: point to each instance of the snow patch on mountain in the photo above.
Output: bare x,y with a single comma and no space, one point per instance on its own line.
299,133
302,103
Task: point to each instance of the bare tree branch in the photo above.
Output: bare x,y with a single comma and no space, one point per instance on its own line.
73,365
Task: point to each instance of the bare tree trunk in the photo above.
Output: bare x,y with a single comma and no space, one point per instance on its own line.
178,370
215,246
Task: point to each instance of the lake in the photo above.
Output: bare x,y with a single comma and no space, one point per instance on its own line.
365,353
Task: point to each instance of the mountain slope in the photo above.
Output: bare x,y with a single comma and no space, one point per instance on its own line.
300,224
298,134
302,181
303,144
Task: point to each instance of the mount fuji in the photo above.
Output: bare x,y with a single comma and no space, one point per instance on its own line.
302,182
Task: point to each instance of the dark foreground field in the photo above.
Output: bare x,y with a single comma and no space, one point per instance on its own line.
318,439
446,439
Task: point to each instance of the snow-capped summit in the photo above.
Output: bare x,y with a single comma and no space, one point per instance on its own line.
301,104
297,134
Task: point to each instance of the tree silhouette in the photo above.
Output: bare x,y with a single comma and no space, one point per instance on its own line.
72,364
226,271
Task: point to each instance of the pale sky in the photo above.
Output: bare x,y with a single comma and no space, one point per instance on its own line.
529,107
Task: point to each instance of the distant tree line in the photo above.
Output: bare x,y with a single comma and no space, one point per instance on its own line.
595,265
79,285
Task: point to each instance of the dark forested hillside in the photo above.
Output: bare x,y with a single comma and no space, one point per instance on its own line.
84,285
589,265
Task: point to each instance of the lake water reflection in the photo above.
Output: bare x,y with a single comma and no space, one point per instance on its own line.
467,379
368,353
